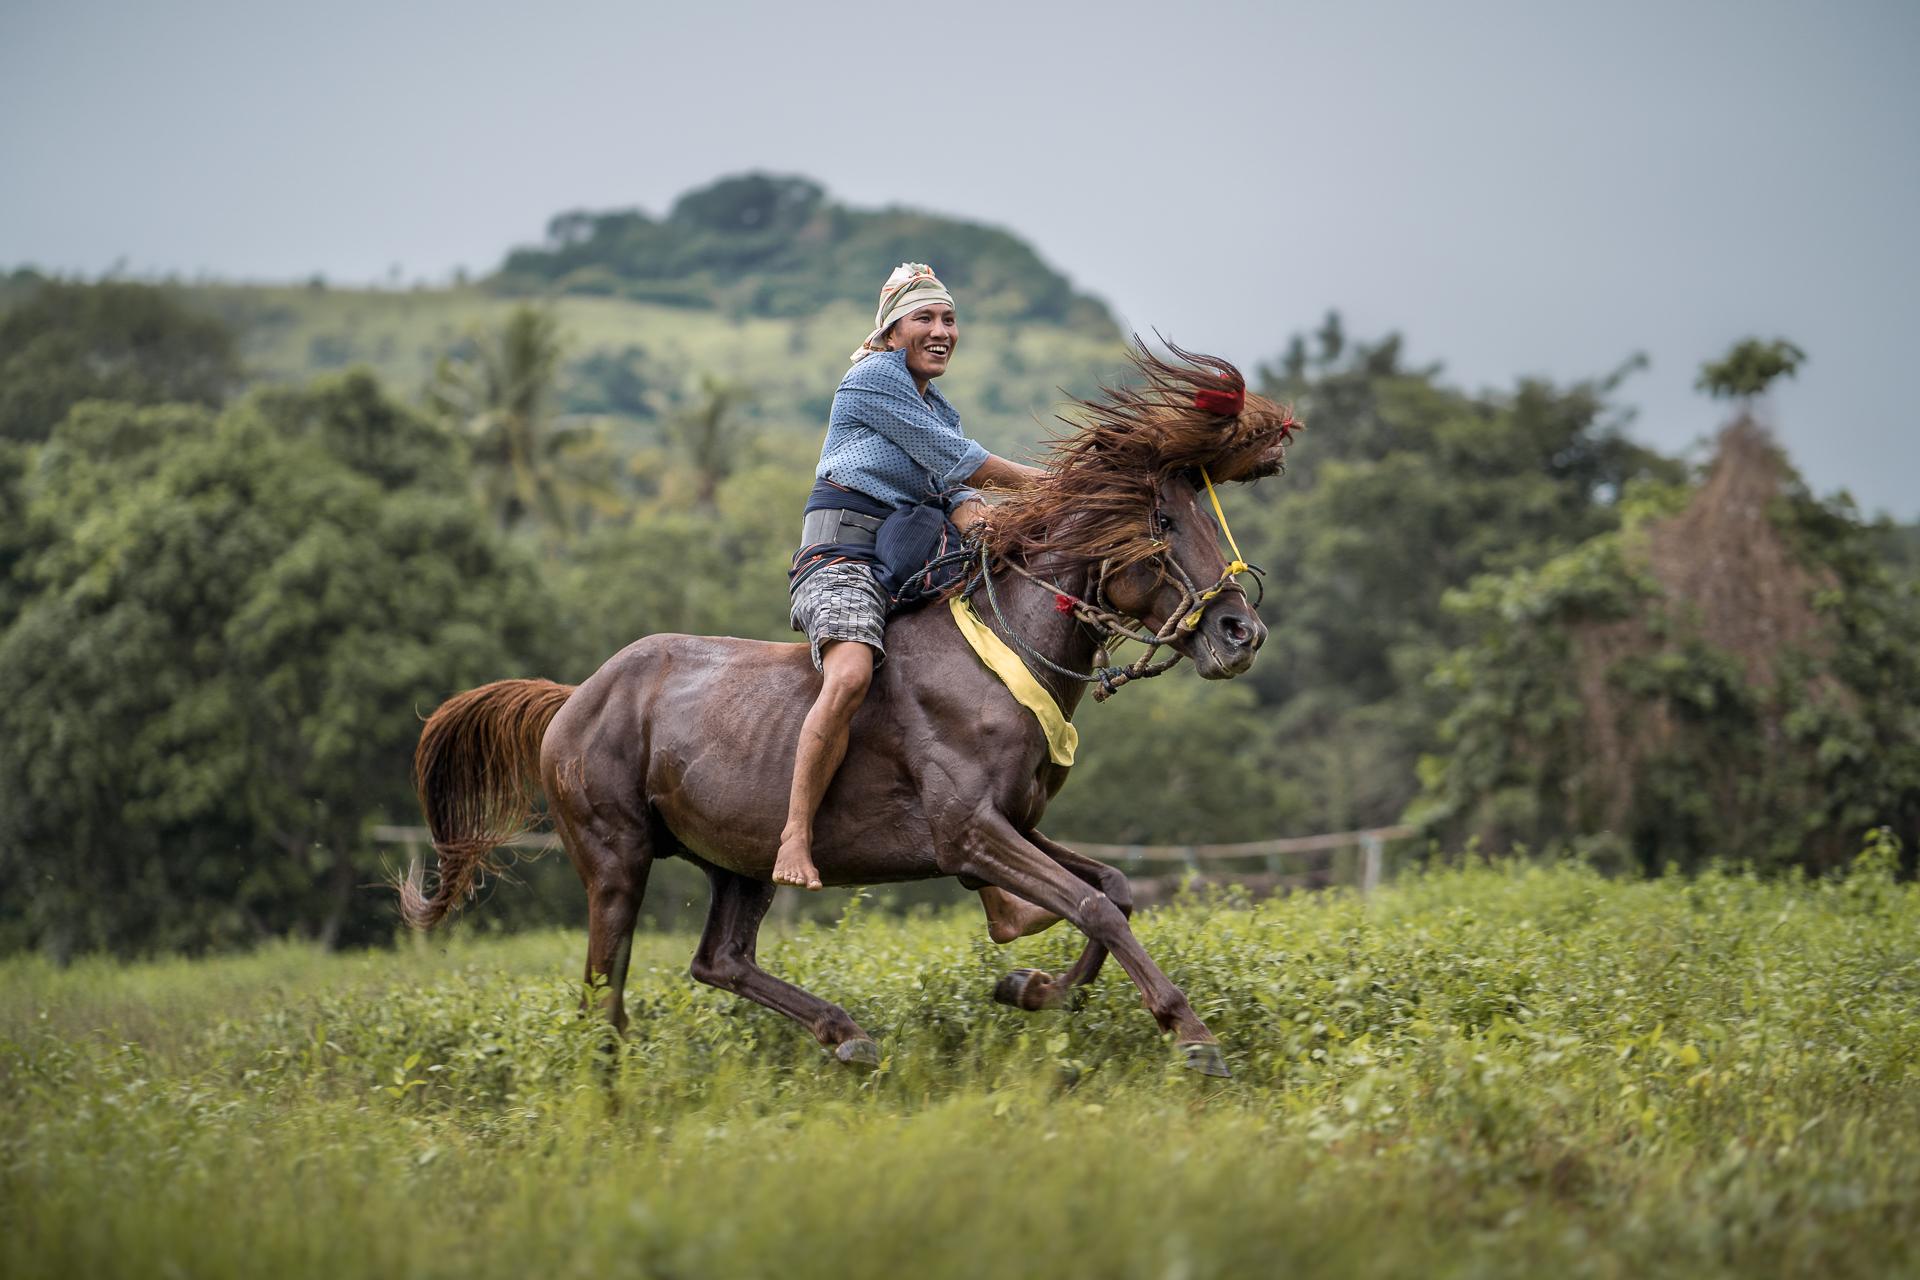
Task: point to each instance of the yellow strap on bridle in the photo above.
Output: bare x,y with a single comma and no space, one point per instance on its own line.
1239,565
1233,570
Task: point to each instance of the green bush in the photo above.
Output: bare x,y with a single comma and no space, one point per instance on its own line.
1493,1071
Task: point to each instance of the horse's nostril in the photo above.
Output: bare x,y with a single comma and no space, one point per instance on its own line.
1235,632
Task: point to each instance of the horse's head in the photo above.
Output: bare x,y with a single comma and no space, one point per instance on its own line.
1187,582
1129,498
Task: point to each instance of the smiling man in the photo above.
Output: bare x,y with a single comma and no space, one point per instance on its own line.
892,440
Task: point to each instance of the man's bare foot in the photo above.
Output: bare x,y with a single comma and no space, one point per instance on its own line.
794,865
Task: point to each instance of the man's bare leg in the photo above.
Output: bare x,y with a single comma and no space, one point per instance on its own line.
846,669
1010,917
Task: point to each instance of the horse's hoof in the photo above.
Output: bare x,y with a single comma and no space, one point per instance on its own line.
1012,989
1206,1059
861,1054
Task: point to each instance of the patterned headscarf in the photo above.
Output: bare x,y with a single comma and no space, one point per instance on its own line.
911,287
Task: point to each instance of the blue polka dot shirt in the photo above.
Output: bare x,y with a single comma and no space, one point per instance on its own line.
886,441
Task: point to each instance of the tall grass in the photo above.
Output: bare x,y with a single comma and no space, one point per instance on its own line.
1497,1071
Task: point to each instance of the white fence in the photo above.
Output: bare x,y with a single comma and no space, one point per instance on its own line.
1206,860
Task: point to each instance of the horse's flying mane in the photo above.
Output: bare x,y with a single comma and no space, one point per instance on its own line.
1104,469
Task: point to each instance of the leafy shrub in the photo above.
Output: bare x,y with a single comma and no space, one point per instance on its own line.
1492,1071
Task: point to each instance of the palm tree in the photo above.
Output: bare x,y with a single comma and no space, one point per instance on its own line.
499,393
709,433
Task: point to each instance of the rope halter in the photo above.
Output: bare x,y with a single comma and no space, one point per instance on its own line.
1112,626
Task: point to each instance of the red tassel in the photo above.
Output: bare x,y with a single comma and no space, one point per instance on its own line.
1225,403
1062,602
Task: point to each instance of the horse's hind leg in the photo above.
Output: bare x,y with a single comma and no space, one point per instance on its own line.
1010,918
612,851
726,959
1036,989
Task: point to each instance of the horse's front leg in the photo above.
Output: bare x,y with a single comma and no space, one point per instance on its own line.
1035,988
988,848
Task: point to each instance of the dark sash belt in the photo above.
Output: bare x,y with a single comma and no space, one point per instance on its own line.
838,525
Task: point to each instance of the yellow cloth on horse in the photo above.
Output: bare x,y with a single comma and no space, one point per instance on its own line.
1062,738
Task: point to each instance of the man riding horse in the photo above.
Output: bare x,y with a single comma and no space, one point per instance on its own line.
715,749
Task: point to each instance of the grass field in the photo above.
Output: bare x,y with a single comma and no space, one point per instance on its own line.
1479,1072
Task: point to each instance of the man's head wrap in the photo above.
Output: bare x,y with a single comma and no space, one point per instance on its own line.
911,287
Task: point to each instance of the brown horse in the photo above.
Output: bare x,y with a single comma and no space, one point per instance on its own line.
684,745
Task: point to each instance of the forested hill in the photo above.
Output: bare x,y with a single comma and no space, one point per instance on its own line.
759,283
775,245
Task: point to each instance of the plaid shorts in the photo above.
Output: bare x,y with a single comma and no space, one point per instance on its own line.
841,602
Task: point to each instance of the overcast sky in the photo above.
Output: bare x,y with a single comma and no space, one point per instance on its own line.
1529,188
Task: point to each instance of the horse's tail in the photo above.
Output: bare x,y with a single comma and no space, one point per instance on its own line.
477,769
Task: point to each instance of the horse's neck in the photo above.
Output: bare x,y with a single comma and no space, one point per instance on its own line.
1032,613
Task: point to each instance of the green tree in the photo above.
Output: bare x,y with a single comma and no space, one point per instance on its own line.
1399,489
710,432
1176,760
15,539
676,563
1747,370
136,343
499,392
1730,675
211,689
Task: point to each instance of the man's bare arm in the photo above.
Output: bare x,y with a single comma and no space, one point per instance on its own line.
996,473
1001,473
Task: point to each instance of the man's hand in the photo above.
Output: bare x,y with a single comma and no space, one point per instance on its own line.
968,514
